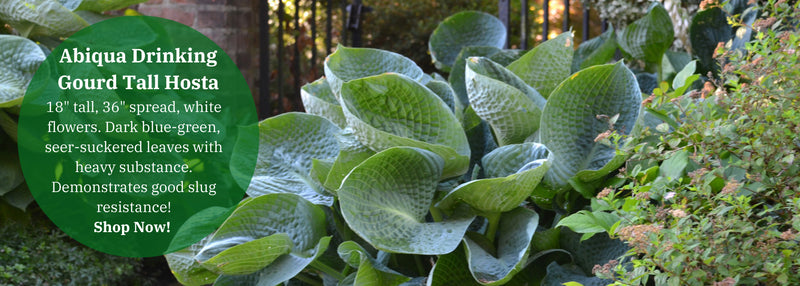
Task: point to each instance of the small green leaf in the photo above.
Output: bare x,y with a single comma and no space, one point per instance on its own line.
573,118
589,222
501,98
318,99
681,78
674,167
106,5
19,59
385,200
348,64
649,37
289,142
464,29
547,65
392,110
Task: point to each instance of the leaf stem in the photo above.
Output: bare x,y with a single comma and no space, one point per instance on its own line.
420,267
436,214
308,280
321,266
494,222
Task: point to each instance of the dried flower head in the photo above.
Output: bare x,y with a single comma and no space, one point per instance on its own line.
637,236
788,235
643,196
604,193
678,213
730,188
726,282
762,24
602,136
697,175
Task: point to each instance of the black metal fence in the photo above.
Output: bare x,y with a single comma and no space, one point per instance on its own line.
274,94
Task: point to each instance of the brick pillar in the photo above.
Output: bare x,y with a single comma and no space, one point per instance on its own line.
231,24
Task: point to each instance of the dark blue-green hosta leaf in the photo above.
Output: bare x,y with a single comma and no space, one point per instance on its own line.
597,51
347,64
558,275
598,250
578,111
509,159
386,198
513,245
186,269
289,143
274,222
452,269
497,195
744,33
10,171
456,79
505,101
649,37
318,99
393,110
547,65
19,59
351,153
106,5
464,29
708,28
480,137
20,197
370,271
40,18
446,93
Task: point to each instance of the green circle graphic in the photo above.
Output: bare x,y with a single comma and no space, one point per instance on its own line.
138,136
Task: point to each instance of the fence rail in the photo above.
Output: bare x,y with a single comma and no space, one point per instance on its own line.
350,34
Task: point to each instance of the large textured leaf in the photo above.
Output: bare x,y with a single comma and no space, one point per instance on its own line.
464,29
40,18
708,28
20,197
497,194
547,65
598,250
370,272
106,5
513,245
456,79
300,220
509,159
282,269
186,269
385,200
507,103
289,142
19,59
247,257
318,99
351,153
577,113
451,269
597,51
649,37
347,64
393,110
446,94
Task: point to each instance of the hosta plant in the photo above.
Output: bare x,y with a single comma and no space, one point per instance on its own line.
396,177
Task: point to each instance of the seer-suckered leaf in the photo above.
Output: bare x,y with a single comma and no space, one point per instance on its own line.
348,64
446,94
288,214
708,28
393,110
649,37
452,269
318,99
597,51
480,137
248,257
509,159
188,270
289,143
40,18
464,29
496,194
19,59
510,106
547,65
370,271
456,79
578,111
386,198
514,235
351,153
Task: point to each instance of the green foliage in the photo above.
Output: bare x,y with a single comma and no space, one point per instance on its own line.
34,256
